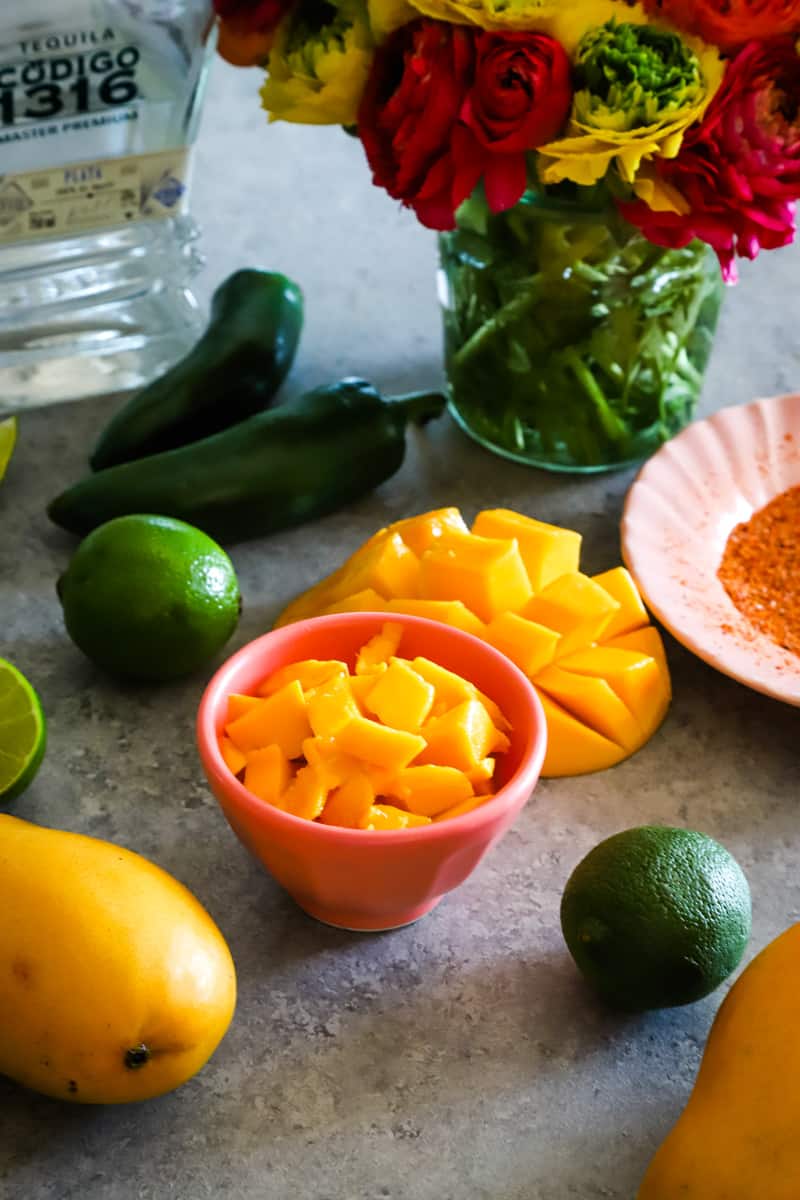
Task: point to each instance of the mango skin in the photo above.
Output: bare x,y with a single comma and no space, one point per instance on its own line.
737,1138
115,984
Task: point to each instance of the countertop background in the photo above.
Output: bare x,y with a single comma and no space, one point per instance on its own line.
461,1058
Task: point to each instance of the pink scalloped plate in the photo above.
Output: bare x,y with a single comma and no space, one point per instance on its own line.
678,517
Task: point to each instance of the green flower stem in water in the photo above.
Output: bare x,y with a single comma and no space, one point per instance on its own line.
571,341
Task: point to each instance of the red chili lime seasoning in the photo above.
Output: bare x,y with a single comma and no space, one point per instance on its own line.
760,570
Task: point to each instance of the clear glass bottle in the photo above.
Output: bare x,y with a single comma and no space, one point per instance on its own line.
99,106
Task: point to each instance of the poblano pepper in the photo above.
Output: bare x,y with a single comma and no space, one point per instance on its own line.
233,372
280,468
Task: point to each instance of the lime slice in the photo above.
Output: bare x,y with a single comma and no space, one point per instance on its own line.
8,439
23,733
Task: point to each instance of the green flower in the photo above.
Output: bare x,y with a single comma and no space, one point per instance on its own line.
633,76
319,64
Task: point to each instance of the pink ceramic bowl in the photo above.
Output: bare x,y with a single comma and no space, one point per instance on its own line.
355,879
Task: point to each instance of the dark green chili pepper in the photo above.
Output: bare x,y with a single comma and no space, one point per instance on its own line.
293,464
234,371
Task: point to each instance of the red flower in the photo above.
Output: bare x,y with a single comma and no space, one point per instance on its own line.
447,105
251,16
520,99
419,81
738,169
731,23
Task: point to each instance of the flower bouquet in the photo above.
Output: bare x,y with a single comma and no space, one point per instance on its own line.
594,168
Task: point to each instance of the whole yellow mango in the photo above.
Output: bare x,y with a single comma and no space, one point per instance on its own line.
115,984
737,1137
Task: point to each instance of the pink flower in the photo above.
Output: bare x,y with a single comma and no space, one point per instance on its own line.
739,169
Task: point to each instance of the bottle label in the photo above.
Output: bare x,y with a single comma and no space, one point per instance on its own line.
59,76
64,201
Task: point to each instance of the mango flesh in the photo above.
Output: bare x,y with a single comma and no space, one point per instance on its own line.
585,642
737,1137
365,732
115,984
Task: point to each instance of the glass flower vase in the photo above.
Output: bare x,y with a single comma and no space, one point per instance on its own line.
571,342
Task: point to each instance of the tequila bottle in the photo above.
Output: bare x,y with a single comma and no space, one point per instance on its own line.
99,106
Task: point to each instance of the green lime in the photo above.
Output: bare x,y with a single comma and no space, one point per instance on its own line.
23,733
149,598
656,917
8,440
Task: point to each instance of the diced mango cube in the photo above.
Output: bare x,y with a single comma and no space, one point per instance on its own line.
645,641
594,702
334,586
487,574
574,606
401,698
267,774
430,789
449,612
548,551
379,649
239,705
461,738
349,805
459,810
634,677
481,777
531,646
639,678
450,688
330,762
362,685
386,817
367,600
281,719
387,566
307,794
495,712
331,706
310,674
429,529
374,743
572,747
632,612
235,760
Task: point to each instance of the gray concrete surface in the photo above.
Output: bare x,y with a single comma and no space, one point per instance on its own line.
462,1058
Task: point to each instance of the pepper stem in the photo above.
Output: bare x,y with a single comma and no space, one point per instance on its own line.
420,407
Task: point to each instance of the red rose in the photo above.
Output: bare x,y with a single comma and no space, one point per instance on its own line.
417,86
520,99
731,23
251,16
738,169
448,105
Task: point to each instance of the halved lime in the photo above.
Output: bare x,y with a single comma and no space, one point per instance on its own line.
23,733
8,439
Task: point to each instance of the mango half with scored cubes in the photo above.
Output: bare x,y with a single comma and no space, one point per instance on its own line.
585,642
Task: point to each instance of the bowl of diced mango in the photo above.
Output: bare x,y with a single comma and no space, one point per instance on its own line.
368,761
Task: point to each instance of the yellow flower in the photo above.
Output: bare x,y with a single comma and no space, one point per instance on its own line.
565,20
387,15
319,64
658,194
626,123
